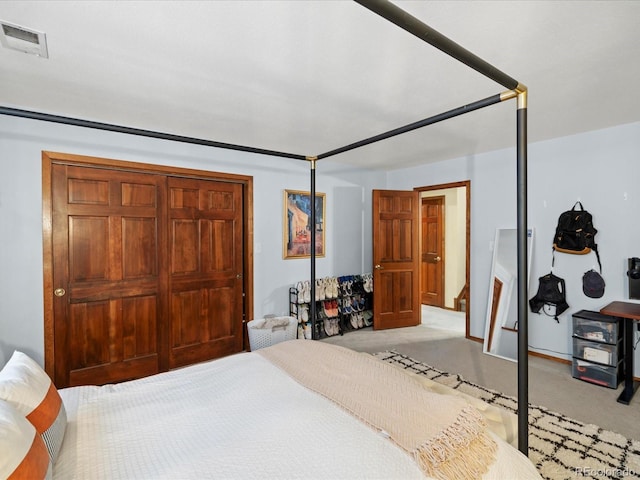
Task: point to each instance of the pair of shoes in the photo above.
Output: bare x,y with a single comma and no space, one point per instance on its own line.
331,326
367,316
345,285
357,320
331,287
307,331
330,308
345,306
353,320
304,291
326,288
300,331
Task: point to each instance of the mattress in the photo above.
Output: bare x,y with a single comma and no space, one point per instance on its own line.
236,417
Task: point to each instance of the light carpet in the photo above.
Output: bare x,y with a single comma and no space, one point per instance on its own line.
559,447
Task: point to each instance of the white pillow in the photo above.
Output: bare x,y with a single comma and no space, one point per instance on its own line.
25,385
24,454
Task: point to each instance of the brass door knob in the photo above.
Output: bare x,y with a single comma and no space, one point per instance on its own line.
437,259
59,292
378,267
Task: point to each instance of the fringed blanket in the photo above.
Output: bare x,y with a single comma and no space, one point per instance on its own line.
448,439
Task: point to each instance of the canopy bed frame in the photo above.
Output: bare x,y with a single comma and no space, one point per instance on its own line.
417,28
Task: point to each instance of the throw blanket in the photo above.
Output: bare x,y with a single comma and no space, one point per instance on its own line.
448,439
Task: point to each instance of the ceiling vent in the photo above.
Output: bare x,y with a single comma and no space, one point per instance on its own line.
23,39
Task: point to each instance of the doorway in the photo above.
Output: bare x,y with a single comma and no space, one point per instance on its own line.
445,254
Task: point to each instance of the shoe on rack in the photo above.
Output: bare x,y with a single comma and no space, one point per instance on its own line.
326,308
300,331
306,287
360,320
341,291
363,304
354,321
307,331
299,293
355,305
346,306
328,328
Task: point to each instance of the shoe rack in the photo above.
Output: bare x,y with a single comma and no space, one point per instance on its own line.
342,304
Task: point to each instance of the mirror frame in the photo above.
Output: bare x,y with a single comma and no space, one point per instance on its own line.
501,322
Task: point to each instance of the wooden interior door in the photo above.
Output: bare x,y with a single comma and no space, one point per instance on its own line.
432,255
206,268
107,274
396,259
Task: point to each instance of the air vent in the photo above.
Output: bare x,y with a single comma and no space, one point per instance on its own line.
23,39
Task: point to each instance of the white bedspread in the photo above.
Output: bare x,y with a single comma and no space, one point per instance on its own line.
237,417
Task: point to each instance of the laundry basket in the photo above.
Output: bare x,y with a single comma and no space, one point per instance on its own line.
265,337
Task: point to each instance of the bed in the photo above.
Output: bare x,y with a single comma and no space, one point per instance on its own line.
265,414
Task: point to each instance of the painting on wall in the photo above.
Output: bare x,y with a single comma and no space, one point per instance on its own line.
297,233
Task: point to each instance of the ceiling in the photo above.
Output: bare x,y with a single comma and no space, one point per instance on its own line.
306,77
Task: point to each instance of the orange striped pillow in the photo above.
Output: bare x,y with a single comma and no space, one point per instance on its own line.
25,385
24,454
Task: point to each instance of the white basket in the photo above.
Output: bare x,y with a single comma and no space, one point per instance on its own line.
265,337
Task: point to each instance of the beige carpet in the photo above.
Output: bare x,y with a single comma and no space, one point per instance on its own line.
560,447
550,383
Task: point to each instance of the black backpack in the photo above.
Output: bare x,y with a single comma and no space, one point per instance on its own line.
575,233
552,292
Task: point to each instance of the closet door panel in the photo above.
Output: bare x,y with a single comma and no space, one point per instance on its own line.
139,247
107,274
206,285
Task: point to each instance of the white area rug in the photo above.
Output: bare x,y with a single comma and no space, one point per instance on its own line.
559,447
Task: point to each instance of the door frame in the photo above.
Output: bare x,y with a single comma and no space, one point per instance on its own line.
51,158
467,185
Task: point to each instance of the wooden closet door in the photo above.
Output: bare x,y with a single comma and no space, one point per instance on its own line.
107,274
206,267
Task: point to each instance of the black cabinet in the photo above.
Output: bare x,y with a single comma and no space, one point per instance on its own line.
597,348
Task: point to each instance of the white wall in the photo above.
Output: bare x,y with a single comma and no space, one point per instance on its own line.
348,234
600,168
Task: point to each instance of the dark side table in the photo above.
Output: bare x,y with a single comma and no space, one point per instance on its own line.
630,313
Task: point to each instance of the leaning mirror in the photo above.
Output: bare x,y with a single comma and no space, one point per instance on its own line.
501,326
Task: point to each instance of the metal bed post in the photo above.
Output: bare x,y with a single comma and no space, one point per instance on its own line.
417,28
312,209
523,274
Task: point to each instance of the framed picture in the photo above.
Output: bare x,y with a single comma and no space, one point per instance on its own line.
297,231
